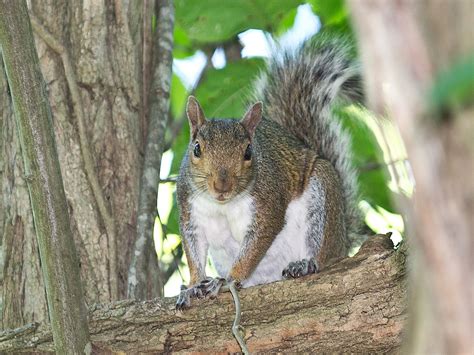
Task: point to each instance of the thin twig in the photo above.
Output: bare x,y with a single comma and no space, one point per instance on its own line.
375,165
27,329
233,50
237,329
89,164
174,130
172,179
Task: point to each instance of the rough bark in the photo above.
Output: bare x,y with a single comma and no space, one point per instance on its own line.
404,44
144,281
356,306
59,263
21,267
103,42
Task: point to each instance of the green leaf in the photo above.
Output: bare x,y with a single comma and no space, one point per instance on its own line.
366,152
272,11
286,23
172,227
223,91
178,96
179,148
180,36
182,47
330,12
454,87
217,21
153,23
334,19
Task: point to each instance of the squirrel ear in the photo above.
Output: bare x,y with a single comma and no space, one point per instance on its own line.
252,118
195,115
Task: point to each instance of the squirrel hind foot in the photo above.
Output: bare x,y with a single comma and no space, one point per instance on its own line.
300,268
210,286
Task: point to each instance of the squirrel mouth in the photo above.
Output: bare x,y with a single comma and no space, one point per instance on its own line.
221,198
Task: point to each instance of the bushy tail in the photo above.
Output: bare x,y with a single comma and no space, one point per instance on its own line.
298,91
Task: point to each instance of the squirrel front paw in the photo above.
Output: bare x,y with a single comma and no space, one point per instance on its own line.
300,268
184,297
207,288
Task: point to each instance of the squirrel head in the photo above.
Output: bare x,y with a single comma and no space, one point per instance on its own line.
220,152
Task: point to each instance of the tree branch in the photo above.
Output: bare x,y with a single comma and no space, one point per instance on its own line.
357,305
143,281
89,163
233,50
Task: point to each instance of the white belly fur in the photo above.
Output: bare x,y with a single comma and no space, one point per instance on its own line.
225,225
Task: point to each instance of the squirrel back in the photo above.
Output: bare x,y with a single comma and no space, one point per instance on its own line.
298,91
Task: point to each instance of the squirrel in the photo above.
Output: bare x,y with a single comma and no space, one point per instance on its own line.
272,195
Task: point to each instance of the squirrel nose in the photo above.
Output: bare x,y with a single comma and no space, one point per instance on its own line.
221,186
222,182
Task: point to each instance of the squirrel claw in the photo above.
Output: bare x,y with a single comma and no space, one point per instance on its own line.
207,288
184,298
210,286
300,268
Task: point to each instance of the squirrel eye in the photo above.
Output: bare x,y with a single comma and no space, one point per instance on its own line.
248,153
197,150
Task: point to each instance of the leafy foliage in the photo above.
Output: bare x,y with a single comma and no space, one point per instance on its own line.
224,91
331,13
217,21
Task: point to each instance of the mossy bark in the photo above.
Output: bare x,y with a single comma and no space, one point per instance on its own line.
103,42
59,263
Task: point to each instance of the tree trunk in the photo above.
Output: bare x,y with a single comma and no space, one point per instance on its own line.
356,306
405,45
59,263
102,41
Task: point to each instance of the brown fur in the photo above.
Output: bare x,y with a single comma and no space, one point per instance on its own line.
279,163
298,142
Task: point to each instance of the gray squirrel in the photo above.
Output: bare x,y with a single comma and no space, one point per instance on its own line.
273,195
